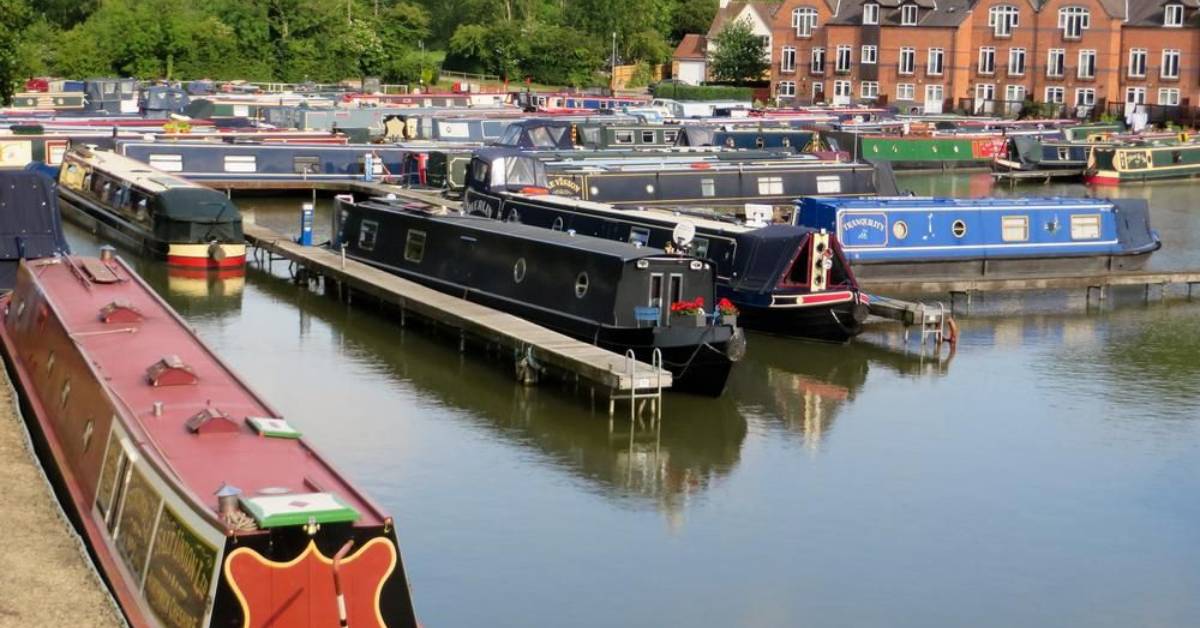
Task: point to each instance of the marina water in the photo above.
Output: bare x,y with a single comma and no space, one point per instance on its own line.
1044,476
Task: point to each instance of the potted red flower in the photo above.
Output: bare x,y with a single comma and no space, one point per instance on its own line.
728,312
688,313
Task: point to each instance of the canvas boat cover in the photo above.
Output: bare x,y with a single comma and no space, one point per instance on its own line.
30,225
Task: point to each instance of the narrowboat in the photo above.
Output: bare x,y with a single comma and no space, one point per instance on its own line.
26,102
160,101
200,503
1028,153
30,223
151,211
110,96
564,134
617,295
543,101
230,164
704,181
782,138
922,151
961,237
784,279
1143,161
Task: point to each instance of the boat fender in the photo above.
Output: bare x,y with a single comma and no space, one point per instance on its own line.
215,251
735,349
859,311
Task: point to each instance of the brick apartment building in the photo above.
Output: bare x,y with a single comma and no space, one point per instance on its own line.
936,55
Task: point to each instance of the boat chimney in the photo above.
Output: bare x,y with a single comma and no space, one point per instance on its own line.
227,499
107,253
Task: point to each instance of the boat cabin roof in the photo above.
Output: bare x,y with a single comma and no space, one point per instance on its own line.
137,173
928,203
168,352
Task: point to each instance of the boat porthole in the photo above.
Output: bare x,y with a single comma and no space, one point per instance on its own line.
87,434
581,285
649,189
900,229
519,271
50,363
875,149
934,149
956,149
66,392
558,224
895,149
959,228
593,190
20,309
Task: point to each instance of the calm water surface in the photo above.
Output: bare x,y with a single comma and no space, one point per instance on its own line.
1046,475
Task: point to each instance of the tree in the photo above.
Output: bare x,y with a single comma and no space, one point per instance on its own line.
692,16
739,56
14,17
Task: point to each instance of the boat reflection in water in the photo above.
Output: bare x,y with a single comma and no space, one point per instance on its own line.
802,386
698,441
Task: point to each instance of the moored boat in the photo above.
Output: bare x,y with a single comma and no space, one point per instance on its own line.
1144,161
784,279
616,295
30,225
201,504
150,210
954,237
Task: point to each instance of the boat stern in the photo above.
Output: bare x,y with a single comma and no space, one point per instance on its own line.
213,255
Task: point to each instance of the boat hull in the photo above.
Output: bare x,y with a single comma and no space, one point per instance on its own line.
834,322
972,269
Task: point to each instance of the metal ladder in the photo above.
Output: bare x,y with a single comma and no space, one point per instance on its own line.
636,393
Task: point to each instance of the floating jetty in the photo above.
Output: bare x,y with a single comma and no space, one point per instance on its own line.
535,348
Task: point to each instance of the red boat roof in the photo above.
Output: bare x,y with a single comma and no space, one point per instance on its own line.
80,289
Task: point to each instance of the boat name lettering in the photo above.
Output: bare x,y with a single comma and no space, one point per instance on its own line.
179,574
864,229
564,186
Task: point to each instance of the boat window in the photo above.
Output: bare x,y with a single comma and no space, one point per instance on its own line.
1064,153
581,285
647,137
368,232
1085,227
676,288
240,163
639,235
669,137
167,163
87,434
519,271
700,247
512,136
1014,228
590,135
556,134
65,394
900,229
479,171
513,215
49,362
540,137
959,228
770,186
623,137
558,224
520,171
414,246
1176,157
656,290
306,164
708,187
829,184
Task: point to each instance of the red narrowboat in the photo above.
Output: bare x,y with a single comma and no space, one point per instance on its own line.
201,504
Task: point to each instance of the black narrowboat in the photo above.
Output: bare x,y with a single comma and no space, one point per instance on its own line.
784,279
616,295
153,211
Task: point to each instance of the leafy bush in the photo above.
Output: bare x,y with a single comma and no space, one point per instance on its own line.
678,91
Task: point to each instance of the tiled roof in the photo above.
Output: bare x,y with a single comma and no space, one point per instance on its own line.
949,13
692,47
1150,12
765,11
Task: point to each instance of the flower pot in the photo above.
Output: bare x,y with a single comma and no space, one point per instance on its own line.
729,319
688,320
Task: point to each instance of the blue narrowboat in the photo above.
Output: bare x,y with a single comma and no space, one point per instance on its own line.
951,237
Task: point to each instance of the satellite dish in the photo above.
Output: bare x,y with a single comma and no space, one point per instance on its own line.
683,233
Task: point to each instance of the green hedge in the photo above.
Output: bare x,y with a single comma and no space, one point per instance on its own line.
676,91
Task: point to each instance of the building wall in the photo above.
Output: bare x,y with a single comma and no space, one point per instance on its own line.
690,72
1037,32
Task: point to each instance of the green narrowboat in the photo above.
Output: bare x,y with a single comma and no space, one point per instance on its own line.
1148,161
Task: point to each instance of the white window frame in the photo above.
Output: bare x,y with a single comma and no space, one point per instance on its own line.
816,61
1136,94
1170,70
785,89
909,15
1090,101
818,87
1015,55
1014,228
869,55
869,90
1138,70
770,186
1073,21
847,53
1056,94
1056,70
787,59
870,14
906,88
940,55
804,21
1173,16
987,60
1090,54
1168,96
909,55
1086,227
1003,19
